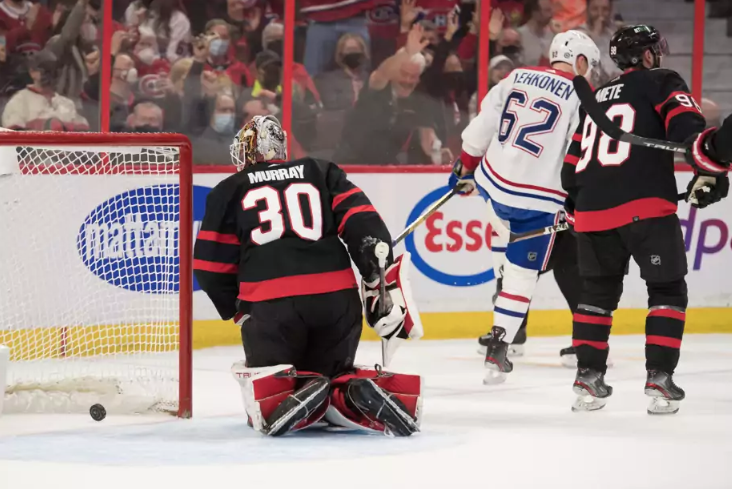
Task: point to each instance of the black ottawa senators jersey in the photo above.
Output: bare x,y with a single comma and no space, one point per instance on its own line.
274,230
613,183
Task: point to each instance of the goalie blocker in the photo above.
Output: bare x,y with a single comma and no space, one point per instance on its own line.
270,255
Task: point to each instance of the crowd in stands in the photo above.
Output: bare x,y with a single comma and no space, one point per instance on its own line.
374,81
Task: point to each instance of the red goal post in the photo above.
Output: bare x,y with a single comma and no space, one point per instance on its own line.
111,313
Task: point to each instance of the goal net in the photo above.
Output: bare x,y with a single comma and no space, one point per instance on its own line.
95,271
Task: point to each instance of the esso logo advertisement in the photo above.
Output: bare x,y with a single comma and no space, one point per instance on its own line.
131,240
452,247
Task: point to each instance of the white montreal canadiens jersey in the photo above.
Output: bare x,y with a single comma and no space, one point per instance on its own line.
522,132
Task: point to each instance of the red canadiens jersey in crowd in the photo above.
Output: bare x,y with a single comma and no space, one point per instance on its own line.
333,10
13,25
384,18
613,183
274,230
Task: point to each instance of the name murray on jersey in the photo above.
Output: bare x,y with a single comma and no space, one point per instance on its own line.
547,82
277,174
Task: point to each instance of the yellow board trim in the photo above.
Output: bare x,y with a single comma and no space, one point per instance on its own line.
456,325
79,341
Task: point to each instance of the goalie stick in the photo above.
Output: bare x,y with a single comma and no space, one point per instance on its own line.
598,116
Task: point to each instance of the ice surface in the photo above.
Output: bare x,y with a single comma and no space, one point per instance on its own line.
518,435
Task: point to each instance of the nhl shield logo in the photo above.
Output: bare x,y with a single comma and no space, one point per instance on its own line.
655,260
532,256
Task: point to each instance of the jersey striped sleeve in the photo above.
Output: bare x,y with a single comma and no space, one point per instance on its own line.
678,110
359,224
216,253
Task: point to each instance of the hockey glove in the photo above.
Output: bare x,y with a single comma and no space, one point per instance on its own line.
461,178
702,155
400,317
706,190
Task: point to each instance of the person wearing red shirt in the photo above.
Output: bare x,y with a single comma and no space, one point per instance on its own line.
222,54
27,26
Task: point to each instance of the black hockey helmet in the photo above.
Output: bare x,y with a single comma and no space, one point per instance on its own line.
629,43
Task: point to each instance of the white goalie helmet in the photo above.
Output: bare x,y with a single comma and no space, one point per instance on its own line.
568,46
261,139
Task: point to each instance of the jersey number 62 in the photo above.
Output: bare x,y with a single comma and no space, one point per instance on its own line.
524,133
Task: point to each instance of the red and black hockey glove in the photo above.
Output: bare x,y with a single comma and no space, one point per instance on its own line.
702,155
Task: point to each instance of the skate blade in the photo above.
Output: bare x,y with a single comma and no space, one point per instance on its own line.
586,401
493,376
660,405
513,351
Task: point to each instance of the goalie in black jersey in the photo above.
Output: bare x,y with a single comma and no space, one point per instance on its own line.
269,255
623,200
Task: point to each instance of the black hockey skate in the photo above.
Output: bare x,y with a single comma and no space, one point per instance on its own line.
591,389
369,398
496,361
665,395
515,349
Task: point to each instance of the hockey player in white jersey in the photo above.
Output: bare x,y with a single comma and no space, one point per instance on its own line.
513,153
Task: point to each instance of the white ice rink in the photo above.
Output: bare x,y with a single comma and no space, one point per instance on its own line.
518,435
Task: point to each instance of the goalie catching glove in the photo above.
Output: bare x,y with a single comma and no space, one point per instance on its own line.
399,317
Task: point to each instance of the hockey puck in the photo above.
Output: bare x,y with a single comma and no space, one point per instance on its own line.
97,412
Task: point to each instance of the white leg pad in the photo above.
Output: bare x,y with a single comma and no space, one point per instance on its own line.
244,376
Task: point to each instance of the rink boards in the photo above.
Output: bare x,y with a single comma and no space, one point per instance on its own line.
452,276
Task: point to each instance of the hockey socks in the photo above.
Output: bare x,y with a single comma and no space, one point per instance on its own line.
590,334
664,331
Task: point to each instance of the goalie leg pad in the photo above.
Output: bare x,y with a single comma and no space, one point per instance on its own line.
278,399
375,401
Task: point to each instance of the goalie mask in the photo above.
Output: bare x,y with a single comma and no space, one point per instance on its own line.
261,139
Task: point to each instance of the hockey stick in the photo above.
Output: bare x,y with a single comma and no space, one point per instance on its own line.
382,252
557,228
598,116
410,229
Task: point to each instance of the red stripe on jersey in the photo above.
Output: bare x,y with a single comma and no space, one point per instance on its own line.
667,313
659,107
571,160
470,162
521,185
588,221
514,297
216,267
677,111
584,318
218,237
351,212
545,69
663,341
341,197
314,283
577,137
600,345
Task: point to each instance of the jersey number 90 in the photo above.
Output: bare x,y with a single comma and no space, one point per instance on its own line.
624,115
524,133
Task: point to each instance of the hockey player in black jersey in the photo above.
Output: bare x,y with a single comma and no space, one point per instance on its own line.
269,255
623,200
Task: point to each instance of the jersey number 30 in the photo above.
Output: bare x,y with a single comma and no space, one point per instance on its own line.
624,115
272,215
509,118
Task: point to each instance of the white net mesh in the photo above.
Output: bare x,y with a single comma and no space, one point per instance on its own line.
89,302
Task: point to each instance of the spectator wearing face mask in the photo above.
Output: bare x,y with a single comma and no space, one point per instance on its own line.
537,33
167,20
212,146
220,57
600,28
147,54
122,95
39,107
74,47
272,39
146,116
383,126
341,85
26,26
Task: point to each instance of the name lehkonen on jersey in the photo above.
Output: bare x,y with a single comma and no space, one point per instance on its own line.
277,174
547,82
